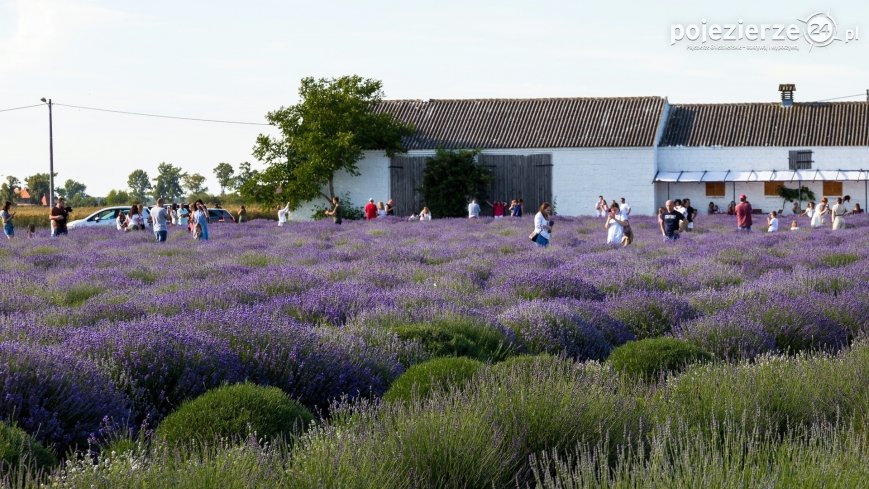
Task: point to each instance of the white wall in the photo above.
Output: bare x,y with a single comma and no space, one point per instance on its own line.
372,182
755,158
580,175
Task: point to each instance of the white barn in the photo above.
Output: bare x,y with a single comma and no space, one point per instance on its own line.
566,150
715,152
570,150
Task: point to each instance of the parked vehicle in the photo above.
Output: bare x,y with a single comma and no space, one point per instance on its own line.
102,217
220,215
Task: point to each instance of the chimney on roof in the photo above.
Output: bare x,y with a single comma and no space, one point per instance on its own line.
787,94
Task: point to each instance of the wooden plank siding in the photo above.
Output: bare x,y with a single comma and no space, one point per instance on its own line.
513,177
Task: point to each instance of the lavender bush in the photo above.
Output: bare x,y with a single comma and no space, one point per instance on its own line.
312,307
60,400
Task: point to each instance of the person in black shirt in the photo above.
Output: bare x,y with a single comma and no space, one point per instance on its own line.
59,215
670,221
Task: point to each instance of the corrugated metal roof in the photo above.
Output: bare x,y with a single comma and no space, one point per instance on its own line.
768,124
529,123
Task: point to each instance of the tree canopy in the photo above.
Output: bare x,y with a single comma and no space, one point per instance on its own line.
325,133
39,186
168,182
139,185
194,183
224,172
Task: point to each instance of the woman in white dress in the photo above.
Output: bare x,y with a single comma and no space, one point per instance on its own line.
837,212
818,215
615,227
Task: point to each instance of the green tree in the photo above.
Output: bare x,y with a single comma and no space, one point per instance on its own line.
7,190
325,133
225,176
451,179
168,182
139,185
73,191
39,186
794,194
118,197
244,174
194,183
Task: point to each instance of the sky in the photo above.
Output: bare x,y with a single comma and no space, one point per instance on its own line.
236,61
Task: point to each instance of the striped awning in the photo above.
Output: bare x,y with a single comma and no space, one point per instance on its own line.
762,176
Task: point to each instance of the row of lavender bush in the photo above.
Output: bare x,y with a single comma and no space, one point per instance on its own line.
104,331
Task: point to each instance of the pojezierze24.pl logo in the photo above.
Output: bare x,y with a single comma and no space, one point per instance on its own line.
818,30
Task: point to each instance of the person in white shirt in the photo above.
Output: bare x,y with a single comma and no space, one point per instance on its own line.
601,208
146,216
283,215
624,208
159,218
425,214
121,221
772,222
473,209
542,225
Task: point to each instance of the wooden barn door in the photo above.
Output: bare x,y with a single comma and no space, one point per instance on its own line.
519,177
405,180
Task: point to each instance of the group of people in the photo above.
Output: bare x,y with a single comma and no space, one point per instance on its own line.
159,218
379,210
817,213
499,208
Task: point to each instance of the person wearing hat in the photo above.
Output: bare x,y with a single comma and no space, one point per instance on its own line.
370,210
743,214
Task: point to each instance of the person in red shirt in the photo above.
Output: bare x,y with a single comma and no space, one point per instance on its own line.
743,214
370,210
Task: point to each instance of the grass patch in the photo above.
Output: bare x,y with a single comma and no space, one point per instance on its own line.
256,260
77,295
835,260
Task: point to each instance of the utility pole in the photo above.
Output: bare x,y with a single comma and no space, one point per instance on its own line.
50,155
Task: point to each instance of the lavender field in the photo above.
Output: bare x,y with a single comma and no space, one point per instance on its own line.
103,335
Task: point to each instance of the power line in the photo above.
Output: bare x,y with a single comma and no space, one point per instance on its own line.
197,119
839,98
19,108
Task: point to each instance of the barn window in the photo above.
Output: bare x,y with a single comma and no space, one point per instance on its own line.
800,159
715,189
770,189
832,188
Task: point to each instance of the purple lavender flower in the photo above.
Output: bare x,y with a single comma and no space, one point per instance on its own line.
57,398
553,326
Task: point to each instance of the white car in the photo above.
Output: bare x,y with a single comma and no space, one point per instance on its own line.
105,217
102,217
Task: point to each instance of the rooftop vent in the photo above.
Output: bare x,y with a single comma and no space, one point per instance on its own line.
787,94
